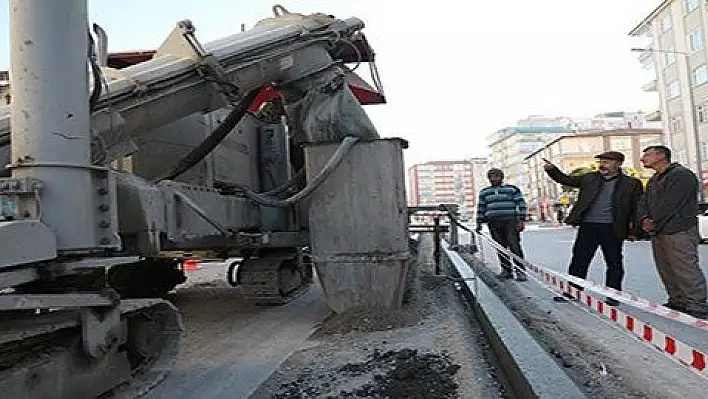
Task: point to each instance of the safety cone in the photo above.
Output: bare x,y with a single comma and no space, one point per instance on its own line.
190,265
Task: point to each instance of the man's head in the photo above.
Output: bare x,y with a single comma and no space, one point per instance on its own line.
656,156
495,176
610,162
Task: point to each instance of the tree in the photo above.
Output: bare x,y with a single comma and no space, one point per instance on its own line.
593,167
583,170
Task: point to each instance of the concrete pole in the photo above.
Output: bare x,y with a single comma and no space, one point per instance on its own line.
50,114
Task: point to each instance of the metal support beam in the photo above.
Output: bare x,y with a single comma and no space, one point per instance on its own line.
56,301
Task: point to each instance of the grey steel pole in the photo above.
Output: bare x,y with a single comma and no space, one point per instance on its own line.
697,134
436,244
50,115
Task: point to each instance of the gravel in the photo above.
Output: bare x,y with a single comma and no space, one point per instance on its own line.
430,348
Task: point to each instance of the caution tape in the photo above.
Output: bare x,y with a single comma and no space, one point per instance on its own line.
682,352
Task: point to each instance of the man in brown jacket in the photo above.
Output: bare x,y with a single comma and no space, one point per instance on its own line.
668,212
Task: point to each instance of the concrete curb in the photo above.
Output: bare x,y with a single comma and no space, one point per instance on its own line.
530,370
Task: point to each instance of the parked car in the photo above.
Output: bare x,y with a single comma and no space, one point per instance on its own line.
703,226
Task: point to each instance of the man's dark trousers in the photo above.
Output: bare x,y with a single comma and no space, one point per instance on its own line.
590,236
504,233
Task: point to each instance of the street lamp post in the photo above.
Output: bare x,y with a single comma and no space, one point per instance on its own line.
694,114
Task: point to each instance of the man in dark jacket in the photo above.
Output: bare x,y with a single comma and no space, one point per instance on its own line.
668,212
605,213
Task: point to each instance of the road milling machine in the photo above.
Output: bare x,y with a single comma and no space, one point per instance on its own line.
120,166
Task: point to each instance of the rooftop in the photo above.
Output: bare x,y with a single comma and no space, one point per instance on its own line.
641,28
597,133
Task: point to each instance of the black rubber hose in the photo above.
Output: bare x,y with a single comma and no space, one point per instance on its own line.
216,137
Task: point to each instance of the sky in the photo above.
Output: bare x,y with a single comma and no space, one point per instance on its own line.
453,71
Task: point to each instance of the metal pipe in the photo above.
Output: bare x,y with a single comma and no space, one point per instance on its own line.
168,87
50,114
101,45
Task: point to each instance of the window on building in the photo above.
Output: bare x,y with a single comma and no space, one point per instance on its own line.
666,24
704,150
702,113
690,5
674,90
695,39
676,124
669,57
621,143
700,75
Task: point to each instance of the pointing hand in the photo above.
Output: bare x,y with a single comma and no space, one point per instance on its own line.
547,164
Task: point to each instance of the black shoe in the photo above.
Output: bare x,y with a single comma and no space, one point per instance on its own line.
565,297
521,276
505,275
699,314
674,306
611,301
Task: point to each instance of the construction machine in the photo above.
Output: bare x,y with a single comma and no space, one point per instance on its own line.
121,166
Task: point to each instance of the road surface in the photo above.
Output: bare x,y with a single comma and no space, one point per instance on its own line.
551,248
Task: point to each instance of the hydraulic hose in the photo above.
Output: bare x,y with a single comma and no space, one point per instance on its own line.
329,167
216,137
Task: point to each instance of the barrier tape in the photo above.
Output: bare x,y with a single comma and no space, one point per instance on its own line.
680,351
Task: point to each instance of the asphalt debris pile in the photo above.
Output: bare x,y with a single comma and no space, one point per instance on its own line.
405,373
368,320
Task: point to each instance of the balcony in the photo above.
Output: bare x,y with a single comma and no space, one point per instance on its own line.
646,56
650,87
654,116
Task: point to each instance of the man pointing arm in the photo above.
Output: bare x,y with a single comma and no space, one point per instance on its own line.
604,213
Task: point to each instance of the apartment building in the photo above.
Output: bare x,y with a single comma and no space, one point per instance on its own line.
511,145
4,88
438,182
616,120
570,152
675,57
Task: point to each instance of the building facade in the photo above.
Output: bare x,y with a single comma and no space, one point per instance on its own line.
511,145
571,152
446,182
675,56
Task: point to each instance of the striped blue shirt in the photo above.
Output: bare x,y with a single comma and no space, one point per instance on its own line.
504,201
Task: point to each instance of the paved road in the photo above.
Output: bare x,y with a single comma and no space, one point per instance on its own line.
551,249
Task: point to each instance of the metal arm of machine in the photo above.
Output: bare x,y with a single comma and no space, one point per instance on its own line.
175,83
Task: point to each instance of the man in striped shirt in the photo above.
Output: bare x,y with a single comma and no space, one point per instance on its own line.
503,208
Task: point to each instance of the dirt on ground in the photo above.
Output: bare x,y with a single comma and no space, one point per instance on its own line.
597,370
430,348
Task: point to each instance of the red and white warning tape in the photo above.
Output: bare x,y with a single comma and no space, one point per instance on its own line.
686,354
